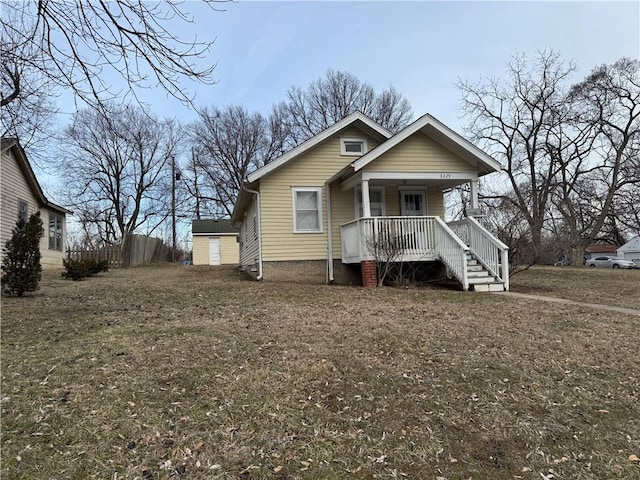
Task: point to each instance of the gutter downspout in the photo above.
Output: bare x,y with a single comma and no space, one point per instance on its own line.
329,234
257,194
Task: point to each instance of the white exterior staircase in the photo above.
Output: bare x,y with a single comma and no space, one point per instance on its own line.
480,279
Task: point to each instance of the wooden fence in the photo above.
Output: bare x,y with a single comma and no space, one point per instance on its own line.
135,250
140,250
111,254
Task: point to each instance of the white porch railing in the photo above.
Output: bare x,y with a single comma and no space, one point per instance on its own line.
413,239
490,252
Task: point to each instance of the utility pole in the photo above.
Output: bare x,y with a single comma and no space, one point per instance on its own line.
173,206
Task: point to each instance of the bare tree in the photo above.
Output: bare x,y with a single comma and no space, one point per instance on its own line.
82,45
608,100
514,120
231,143
117,171
26,94
328,100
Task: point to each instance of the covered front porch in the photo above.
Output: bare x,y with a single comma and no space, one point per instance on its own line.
398,218
473,256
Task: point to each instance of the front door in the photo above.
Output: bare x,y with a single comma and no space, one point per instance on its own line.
412,203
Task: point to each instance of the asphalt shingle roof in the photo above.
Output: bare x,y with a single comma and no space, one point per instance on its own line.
212,226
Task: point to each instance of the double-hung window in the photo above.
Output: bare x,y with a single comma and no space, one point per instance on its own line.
23,210
376,202
55,232
307,209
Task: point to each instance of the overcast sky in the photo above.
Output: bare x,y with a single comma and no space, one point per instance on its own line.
262,48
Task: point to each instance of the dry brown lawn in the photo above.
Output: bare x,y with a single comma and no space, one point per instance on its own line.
620,288
194,373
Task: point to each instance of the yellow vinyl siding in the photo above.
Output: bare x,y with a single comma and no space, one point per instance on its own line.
200,250
229,253
419,153
342,211
311,169
435,202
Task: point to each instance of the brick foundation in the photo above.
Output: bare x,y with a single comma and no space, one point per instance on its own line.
369,273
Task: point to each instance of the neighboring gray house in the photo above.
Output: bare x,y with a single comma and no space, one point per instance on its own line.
631,250
22,196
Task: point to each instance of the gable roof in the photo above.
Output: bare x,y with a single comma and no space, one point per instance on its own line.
601,248
19,154
632,245
222,226
355,117
442,134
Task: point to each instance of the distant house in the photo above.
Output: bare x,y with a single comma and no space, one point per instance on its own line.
599,249
22,196
631,250
324,211
215,242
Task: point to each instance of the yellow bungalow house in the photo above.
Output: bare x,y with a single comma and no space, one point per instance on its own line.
327,205
22,196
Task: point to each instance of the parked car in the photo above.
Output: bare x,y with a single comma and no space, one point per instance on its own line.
610,261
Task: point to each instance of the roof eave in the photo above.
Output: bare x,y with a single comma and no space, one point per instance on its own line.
315,140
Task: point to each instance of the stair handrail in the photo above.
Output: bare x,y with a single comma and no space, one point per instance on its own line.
503,275
457,265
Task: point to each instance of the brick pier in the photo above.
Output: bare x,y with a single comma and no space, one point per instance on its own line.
369,273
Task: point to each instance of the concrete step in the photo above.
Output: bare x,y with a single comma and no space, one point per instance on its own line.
478,280
478,274
489,287
474,268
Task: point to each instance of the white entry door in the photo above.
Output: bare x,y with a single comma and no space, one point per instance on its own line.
412,203
214,251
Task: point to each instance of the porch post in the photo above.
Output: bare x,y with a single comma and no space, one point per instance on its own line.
366,203
474,194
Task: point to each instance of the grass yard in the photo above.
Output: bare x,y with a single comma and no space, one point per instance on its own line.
192,373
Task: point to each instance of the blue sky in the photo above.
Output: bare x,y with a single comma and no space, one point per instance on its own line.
262,48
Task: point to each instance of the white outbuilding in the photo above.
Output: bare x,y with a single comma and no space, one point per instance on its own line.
631,250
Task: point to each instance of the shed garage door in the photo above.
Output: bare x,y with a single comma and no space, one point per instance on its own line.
214,250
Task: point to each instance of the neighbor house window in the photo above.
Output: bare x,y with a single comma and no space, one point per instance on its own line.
307,210
376,202
55,232
353,146
23,211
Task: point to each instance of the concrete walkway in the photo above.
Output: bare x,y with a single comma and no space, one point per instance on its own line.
597,306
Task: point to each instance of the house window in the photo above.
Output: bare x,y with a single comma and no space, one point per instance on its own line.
55,232
23,211
376,202
353,146
307,210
